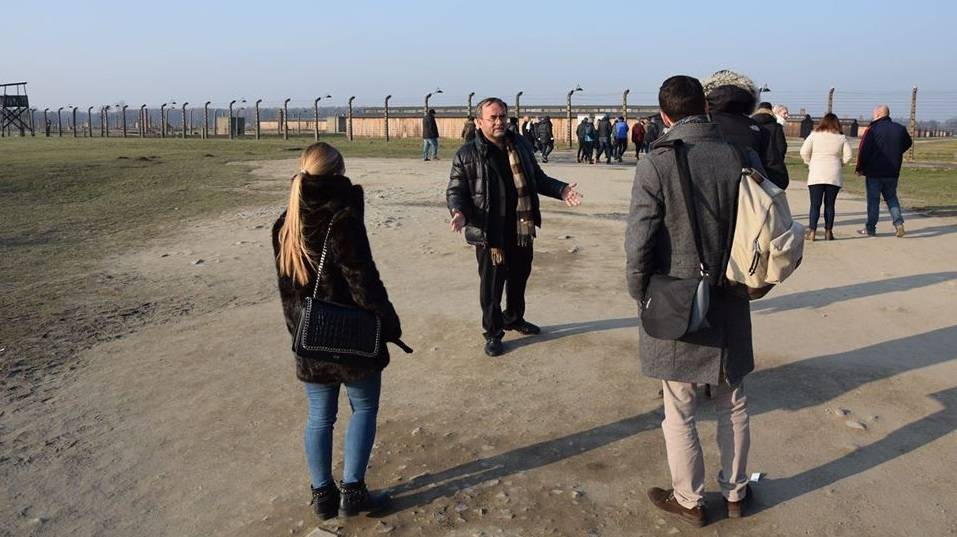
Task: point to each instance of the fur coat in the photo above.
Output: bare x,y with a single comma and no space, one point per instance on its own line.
350,274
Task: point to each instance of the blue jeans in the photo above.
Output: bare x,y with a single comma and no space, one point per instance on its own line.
426,144
876,188
323,407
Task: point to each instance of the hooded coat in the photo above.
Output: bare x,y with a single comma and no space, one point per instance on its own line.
350,276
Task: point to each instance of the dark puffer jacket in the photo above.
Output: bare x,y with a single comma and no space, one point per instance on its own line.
350,275
472,178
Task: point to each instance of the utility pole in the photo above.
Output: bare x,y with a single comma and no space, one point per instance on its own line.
830,100
285,119
912,126
387,97
624,104
349,124
258,133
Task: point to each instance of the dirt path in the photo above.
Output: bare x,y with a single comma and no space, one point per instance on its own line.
191,425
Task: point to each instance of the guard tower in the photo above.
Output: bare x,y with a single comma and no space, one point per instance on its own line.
15,109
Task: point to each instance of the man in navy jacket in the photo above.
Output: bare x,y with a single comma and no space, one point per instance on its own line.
879,161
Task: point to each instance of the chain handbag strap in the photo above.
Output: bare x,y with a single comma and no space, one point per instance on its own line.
322,256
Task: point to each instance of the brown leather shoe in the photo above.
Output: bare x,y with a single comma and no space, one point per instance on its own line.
739,508
665,500
828,235
810,234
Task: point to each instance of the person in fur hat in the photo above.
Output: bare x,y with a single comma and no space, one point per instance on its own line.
731,100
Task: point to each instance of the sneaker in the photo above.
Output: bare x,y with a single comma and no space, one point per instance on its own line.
356,499
739,508
900,230
325,501
524,327
494,346
866,233
665,500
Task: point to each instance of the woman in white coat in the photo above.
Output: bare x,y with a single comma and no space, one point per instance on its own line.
825,151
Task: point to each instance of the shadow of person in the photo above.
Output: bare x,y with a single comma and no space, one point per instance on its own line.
792,387
898,443
429,487
558,331
823,297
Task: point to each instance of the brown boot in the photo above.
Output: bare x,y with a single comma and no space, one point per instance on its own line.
809,234
665,500
739,508
828,235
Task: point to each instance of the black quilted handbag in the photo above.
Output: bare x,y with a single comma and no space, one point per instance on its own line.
339,333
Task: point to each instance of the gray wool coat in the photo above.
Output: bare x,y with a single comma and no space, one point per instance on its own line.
658,239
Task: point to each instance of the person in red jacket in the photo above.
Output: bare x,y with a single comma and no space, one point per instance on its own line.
638,137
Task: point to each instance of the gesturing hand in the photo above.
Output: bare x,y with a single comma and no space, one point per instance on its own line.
570,196
457,223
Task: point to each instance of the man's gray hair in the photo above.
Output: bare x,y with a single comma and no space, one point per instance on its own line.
487,101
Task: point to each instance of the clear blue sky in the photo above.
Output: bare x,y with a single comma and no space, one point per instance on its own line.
101,52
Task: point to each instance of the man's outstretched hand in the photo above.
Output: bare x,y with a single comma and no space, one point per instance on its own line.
457,222
570,196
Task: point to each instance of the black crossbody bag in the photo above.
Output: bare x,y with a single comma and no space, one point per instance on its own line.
338,333
675,307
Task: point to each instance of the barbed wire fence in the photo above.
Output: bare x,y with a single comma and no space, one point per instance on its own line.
935,111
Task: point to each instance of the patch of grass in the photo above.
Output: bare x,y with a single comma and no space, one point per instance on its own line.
919,188
937,150
67,204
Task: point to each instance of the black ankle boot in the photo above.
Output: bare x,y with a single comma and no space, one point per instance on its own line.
325,501
356,499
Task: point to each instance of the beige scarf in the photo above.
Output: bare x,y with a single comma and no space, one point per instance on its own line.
525,224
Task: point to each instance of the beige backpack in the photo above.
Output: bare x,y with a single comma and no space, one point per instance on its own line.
767,245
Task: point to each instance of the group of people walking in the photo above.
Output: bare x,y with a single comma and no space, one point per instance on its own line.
684,194
602,137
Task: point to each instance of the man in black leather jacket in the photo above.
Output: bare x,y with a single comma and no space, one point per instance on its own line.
484,200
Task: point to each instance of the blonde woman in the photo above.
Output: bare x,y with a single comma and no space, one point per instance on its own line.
825,151
320,191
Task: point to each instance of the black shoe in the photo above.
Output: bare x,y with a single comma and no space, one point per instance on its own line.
494,346
665,500
544,159
325,501
425,160
356,499
524,327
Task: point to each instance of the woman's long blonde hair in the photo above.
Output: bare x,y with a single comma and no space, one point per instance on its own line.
316,160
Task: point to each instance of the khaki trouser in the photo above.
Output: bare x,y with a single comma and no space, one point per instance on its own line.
685,457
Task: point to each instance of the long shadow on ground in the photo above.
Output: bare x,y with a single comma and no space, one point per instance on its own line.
789,387
823,297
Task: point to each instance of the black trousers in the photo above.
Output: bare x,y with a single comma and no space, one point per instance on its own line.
827,194
547,148
510,277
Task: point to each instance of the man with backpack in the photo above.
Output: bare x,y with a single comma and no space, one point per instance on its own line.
678,230
621,137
